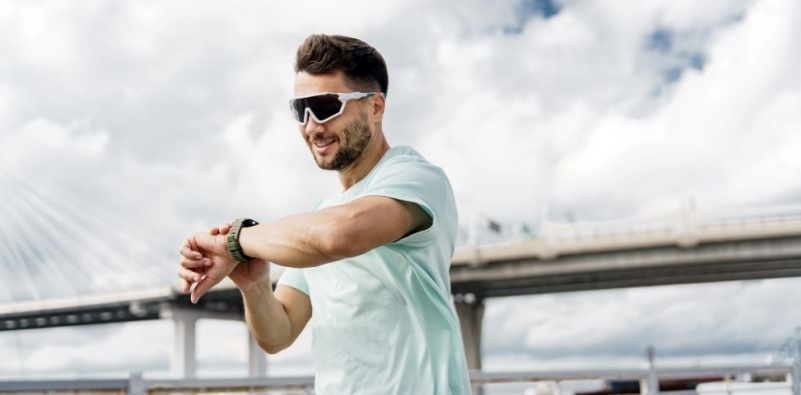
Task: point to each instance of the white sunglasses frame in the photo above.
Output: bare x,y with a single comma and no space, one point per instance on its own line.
343,97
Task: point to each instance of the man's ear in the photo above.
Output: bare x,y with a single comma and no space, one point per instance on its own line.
377,108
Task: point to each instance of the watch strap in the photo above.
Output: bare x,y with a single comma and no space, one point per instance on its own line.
232,239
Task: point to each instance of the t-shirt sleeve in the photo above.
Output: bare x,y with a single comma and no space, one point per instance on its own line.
294,278
416,182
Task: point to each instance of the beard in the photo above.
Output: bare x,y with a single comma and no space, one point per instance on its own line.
356,138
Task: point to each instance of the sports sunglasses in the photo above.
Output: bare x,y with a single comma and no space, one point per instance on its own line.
323,107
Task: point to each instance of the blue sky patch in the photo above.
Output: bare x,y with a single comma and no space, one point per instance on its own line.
663,43
528,9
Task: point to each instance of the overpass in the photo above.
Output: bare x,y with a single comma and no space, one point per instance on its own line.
680,248
619,254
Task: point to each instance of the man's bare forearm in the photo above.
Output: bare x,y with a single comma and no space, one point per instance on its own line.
301,240
267,319
334,233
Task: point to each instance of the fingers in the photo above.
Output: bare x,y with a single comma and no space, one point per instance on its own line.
189,276
191,257
195,263
202,287
222,229
190,250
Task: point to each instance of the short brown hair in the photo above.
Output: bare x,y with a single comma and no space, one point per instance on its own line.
364,68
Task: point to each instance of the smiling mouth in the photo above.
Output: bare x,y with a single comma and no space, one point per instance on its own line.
323,146
323,143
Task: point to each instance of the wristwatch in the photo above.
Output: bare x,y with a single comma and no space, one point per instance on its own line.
232,240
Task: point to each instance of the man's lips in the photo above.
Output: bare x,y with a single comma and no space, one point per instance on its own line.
323,146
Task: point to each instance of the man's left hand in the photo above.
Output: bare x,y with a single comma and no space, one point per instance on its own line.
206,261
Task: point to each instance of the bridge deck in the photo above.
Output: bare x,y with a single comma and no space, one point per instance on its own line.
686,248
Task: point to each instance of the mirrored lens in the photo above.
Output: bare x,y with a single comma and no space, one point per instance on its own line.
322,106
298,109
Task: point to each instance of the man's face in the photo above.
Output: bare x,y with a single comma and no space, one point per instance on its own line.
338,143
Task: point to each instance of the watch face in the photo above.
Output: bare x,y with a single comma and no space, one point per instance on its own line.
248,222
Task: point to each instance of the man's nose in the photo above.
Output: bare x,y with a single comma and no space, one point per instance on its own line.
312,127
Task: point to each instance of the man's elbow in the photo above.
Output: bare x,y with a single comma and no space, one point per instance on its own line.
341,245
272,349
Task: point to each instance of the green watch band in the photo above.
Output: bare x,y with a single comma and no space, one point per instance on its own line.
232,240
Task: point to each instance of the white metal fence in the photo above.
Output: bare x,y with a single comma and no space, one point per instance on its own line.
649,379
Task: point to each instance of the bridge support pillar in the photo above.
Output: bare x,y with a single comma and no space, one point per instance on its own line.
183,360
470,311
185,321
471,314
257,360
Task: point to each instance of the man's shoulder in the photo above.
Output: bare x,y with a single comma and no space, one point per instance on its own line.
407,159
402,154
407,175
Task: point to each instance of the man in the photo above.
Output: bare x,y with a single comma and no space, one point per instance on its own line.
370,263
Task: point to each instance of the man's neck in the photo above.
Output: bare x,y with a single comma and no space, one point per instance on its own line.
365,163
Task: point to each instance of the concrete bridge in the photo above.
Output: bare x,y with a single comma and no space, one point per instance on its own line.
681,248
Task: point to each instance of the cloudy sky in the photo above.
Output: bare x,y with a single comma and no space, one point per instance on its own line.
162,118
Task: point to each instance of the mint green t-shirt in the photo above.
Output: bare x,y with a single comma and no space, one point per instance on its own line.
383,322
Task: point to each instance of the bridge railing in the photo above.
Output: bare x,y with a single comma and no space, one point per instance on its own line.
783,377
685,228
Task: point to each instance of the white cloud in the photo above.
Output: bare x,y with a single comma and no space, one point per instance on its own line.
44,139
98,351
680,322
717,136
543,113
